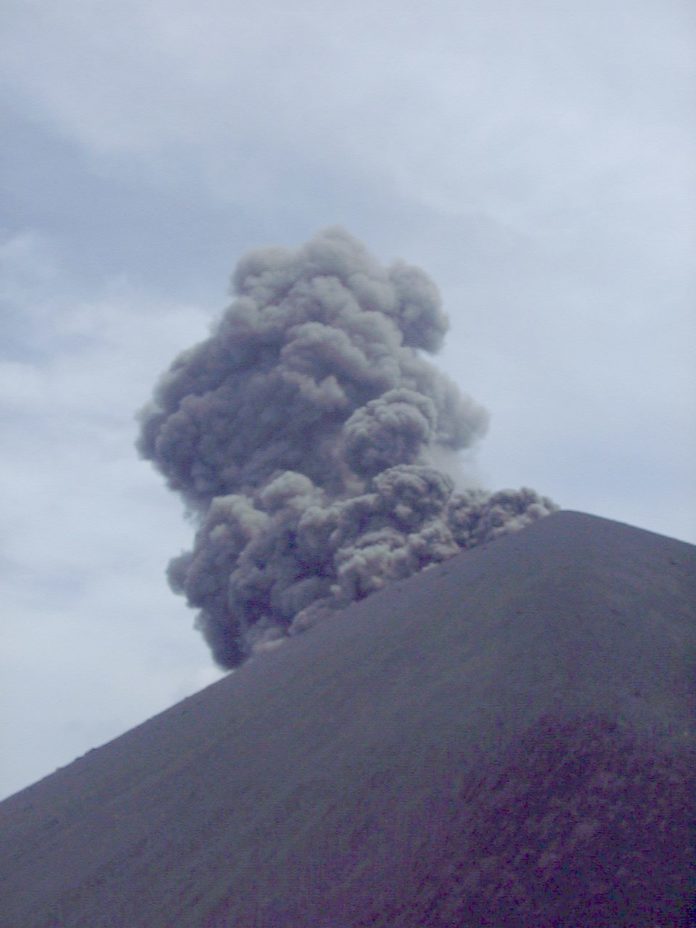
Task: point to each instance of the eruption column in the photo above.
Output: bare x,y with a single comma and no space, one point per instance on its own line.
302,436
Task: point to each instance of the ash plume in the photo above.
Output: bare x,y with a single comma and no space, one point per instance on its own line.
302,436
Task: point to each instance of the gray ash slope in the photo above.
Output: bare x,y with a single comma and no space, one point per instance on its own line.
505,739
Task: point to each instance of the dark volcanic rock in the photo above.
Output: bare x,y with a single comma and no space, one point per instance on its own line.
503,740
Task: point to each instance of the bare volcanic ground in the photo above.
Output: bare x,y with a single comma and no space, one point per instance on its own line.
505,739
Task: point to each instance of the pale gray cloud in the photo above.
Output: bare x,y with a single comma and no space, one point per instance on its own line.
88,641
461,106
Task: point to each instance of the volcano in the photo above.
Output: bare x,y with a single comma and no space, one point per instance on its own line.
505,739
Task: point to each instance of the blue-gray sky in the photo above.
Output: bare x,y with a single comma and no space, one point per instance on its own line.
536,159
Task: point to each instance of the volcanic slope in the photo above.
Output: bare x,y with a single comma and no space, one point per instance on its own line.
505,739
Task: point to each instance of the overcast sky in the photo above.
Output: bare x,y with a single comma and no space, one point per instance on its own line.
536,159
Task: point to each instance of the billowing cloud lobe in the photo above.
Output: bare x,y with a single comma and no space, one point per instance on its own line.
302,436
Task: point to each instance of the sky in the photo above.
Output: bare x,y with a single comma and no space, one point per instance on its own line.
535,159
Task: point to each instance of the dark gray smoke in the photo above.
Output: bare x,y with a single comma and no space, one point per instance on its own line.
302,436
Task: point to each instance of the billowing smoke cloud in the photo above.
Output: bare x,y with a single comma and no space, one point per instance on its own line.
302,436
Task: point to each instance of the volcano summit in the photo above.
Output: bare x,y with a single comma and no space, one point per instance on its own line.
505,739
